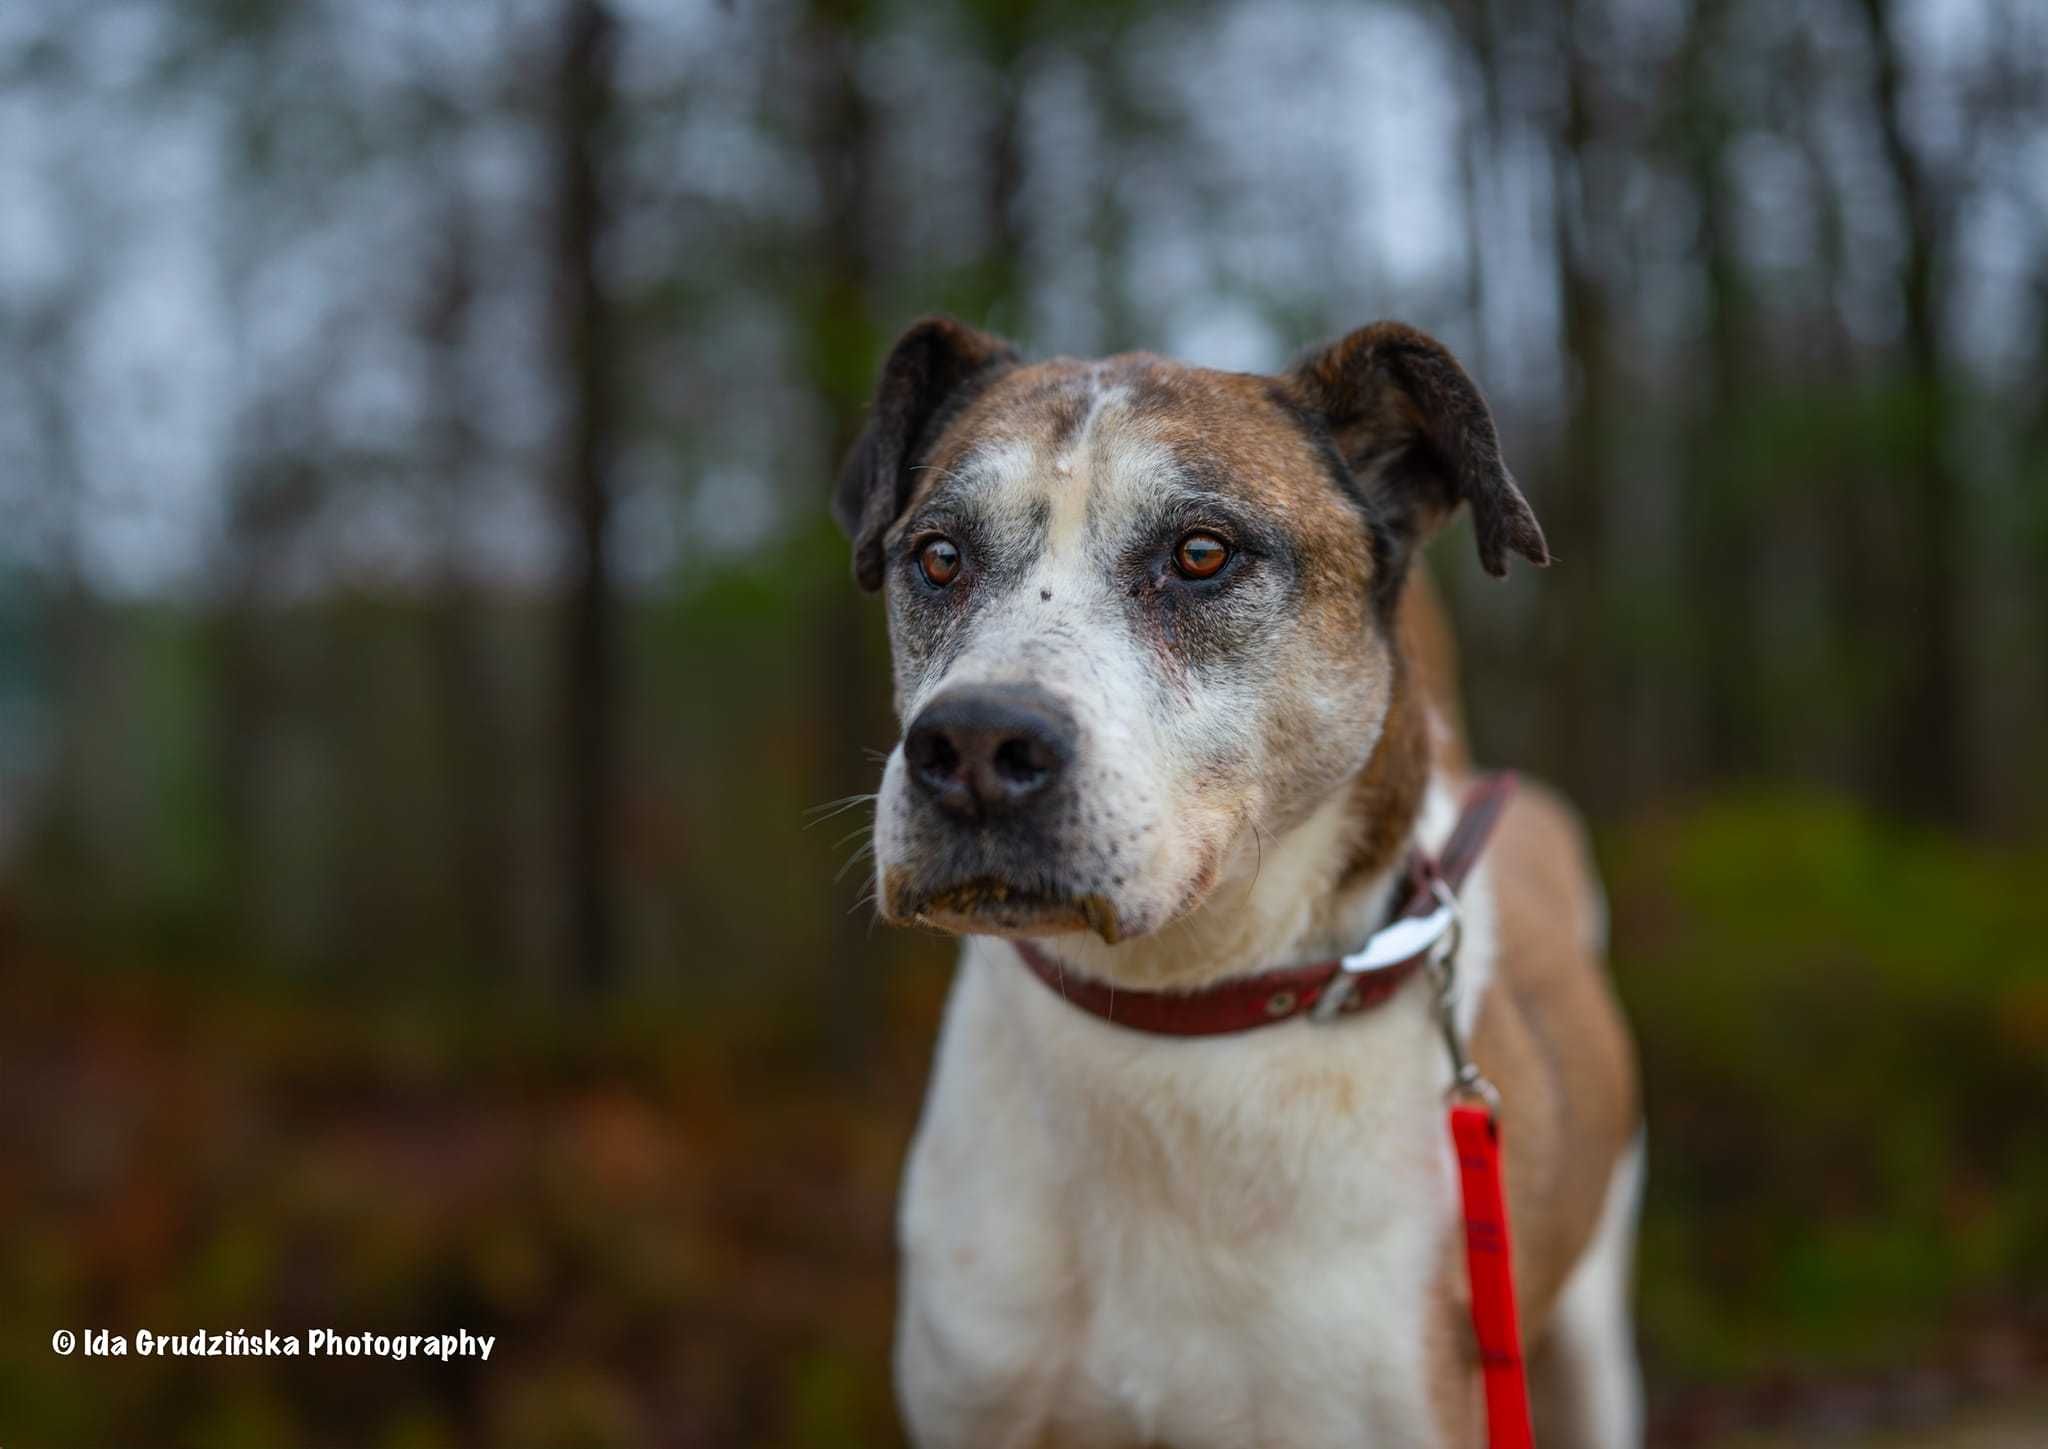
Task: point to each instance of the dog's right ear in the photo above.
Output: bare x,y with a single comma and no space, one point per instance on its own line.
934,368
1401,411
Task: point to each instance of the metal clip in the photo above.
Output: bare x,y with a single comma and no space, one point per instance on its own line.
1389,946
1467,1081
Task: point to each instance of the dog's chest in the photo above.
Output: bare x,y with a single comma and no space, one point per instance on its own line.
1173,1242
1278,1327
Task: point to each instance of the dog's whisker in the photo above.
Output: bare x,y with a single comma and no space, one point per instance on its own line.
842,800
844,803
864,853
820,813
1259,865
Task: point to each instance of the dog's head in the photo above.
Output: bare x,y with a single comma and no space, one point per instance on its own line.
1141,611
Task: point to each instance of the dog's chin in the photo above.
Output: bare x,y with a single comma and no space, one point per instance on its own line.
989,906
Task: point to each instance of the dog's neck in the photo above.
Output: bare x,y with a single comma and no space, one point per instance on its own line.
1315,891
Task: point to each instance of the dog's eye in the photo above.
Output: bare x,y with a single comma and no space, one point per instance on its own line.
939,562
1200,555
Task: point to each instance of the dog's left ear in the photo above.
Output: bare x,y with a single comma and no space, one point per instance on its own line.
1413,429
934,367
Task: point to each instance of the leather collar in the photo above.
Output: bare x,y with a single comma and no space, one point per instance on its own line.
1362,980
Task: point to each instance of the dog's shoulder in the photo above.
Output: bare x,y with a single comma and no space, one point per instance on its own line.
1551,1036
1547,889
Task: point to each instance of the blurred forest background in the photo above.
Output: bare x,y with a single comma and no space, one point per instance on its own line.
422,640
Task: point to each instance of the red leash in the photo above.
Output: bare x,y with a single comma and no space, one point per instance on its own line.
1487,1264
1422,934
1475,1136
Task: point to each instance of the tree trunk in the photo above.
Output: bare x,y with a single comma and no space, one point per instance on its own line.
1928,777
583,99
843,126
477,771
1586,698
1721,563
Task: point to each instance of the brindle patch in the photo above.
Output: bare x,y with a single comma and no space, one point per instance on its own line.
1042,406
1258,452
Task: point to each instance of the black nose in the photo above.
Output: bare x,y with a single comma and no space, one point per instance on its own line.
987,749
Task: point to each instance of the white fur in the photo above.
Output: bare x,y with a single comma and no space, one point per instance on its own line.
1592,1329
1116,1238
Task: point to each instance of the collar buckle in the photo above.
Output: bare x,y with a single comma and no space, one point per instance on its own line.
1390,946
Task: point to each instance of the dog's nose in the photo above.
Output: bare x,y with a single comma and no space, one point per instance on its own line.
988,749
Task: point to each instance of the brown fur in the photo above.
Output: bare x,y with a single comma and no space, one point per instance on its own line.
1431,652
1388,793
1424,723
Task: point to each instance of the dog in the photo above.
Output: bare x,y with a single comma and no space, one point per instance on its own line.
1178,705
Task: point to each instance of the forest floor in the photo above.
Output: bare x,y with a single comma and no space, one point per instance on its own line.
678,1228
2019,1422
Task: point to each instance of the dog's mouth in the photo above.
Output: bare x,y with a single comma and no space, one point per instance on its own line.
992,906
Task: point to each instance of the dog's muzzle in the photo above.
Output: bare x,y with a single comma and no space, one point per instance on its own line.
992,775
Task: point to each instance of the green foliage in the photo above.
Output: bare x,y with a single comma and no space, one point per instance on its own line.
1844,1030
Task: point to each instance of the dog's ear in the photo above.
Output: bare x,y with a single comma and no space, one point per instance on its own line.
934,368
1414,431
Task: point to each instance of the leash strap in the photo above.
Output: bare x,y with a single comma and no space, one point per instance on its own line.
1477,1136
1488,796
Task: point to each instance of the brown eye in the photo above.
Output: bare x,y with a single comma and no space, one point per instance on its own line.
939,562
1200,555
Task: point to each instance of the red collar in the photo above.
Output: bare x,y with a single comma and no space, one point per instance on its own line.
1423,912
